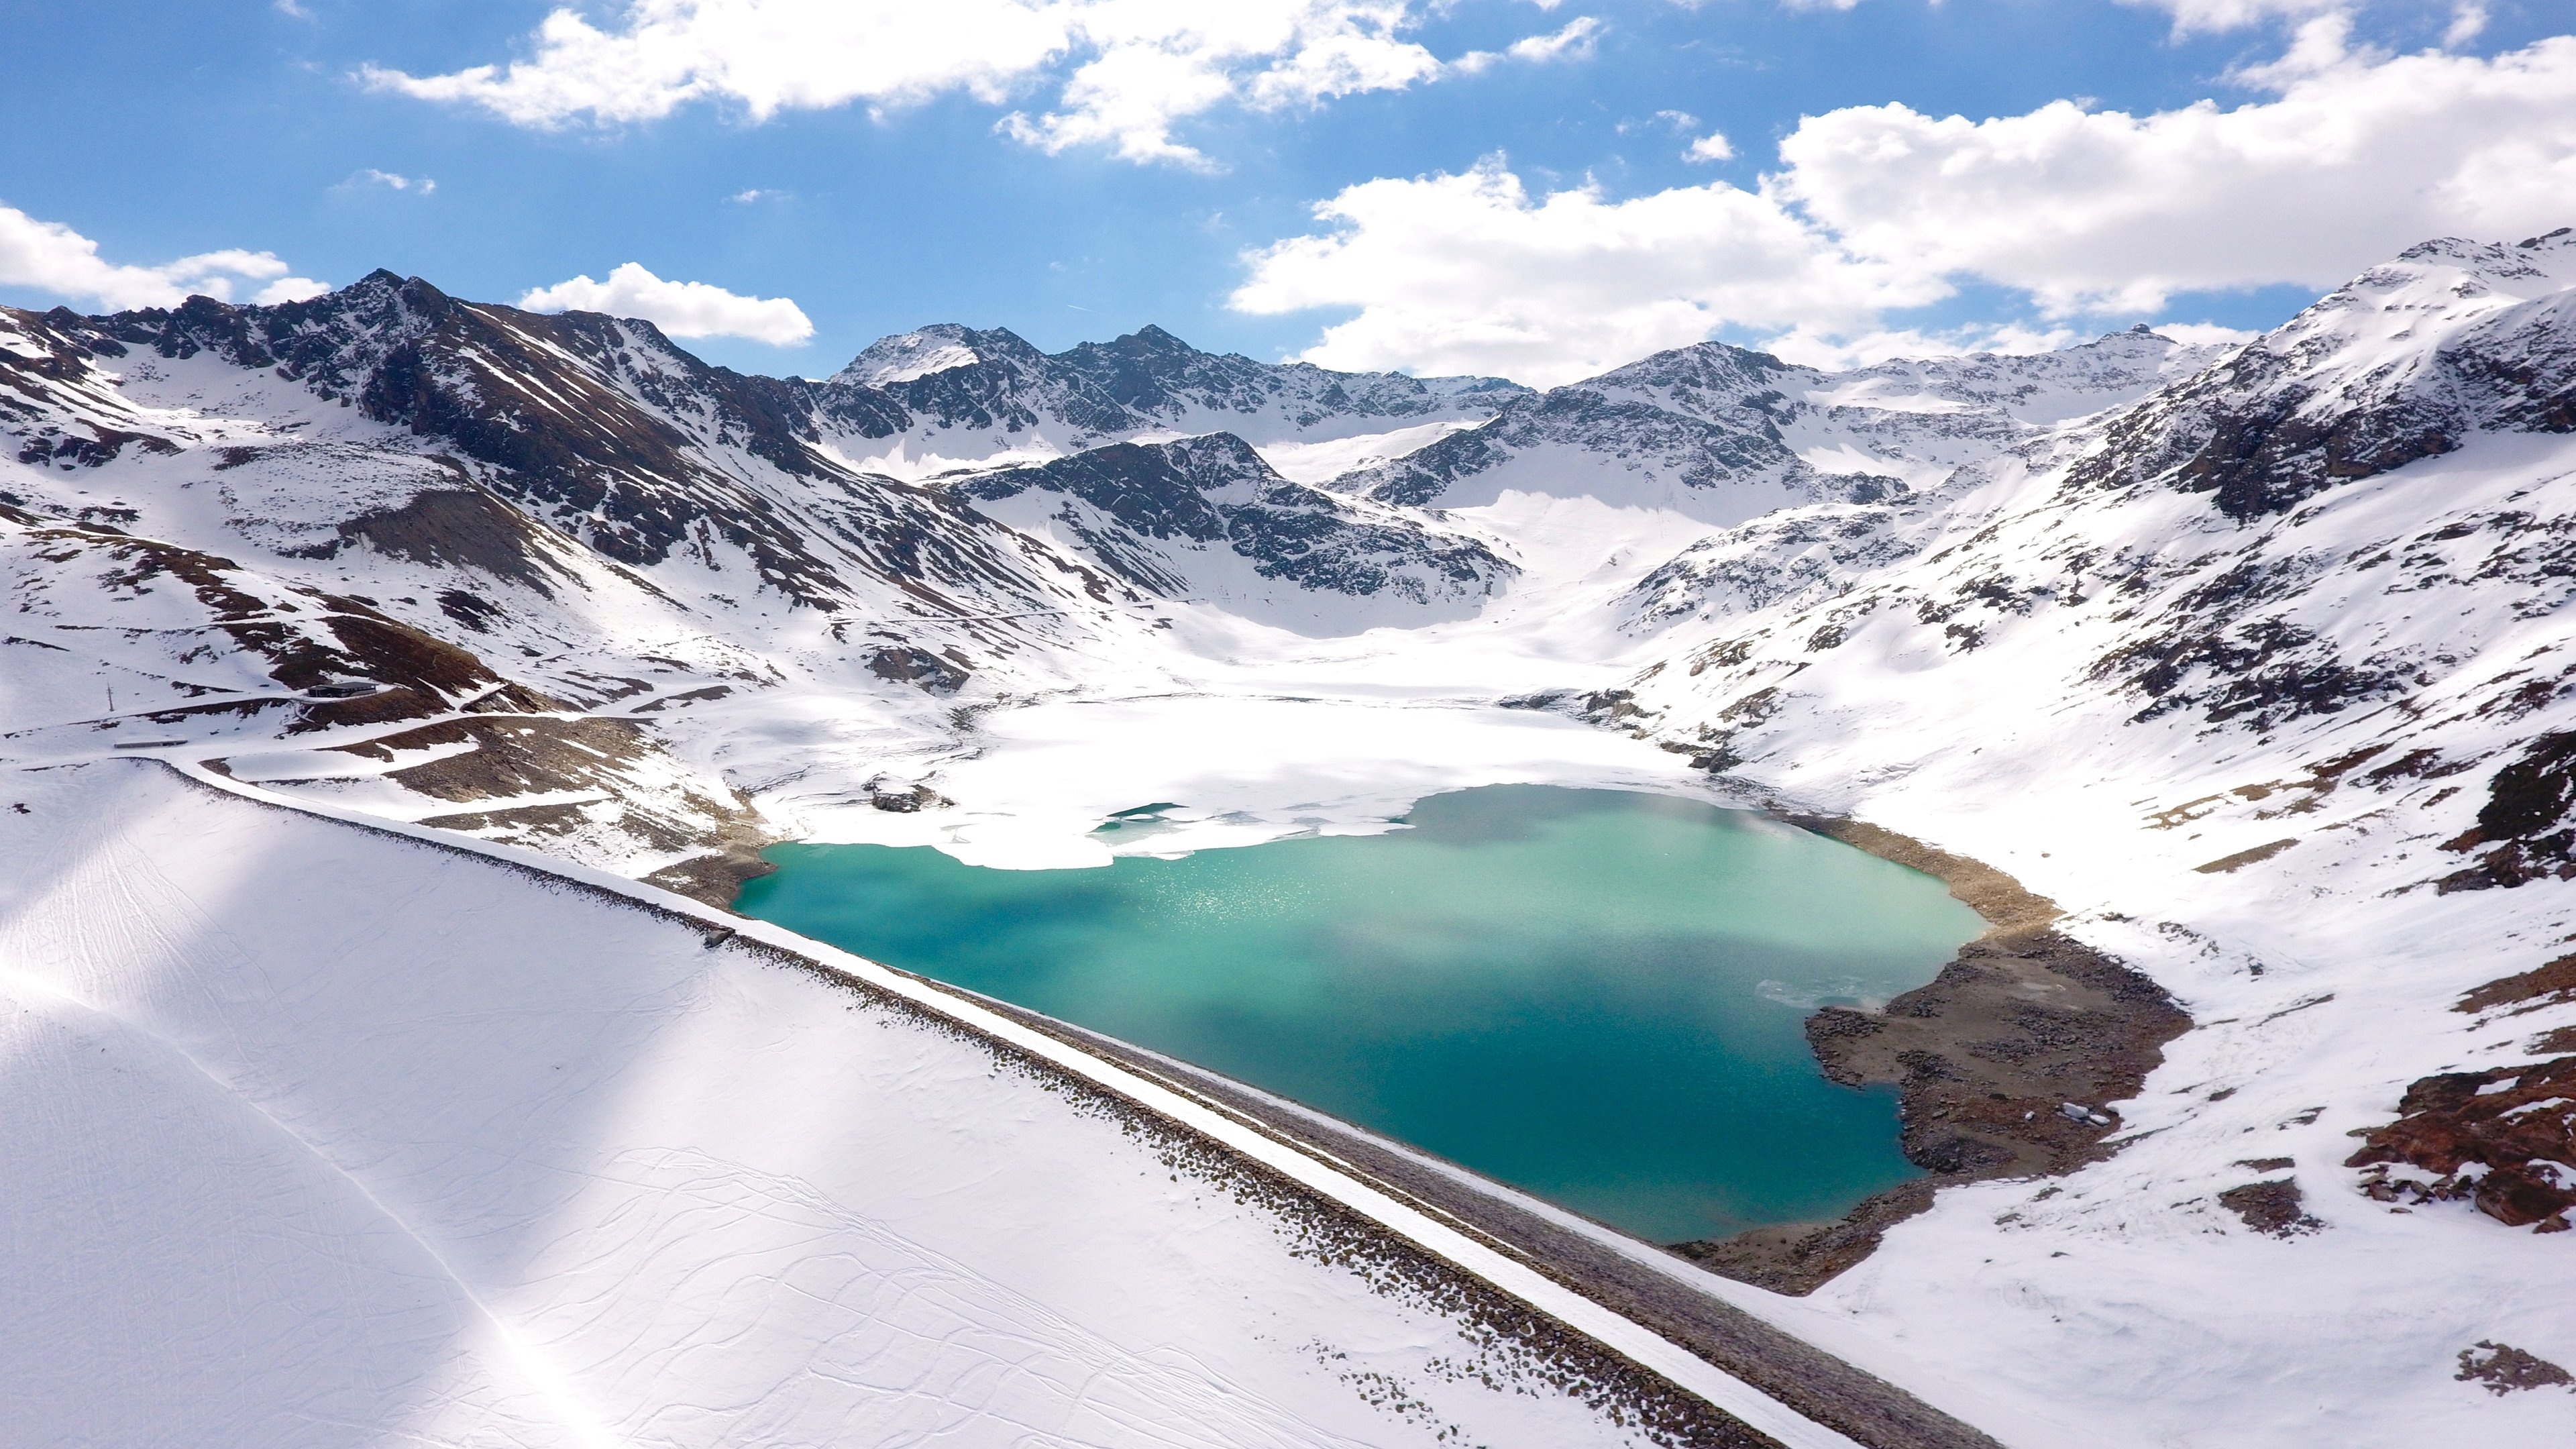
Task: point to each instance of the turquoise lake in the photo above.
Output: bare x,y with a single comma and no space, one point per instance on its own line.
1592,995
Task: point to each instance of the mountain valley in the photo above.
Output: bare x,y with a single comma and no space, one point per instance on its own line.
2234,684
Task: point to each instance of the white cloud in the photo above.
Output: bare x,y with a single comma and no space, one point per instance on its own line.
2353,157
289,289
51,257
2198,16
1817,347
2468,22
1712,147
1470,273
682,309
370,176
1574,42
1138,67
2202,334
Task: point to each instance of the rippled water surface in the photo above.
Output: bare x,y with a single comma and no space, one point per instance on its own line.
1591,994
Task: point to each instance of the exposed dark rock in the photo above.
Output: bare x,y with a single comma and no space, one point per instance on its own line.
947,376
1704,415
918,667
1157,376
2503,1369
2524,831
1216,491
2545,985
2024,1023
2290,416
2273,1207
462,527
898,798
2496,1138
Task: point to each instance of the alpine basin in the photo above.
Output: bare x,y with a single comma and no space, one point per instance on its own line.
1593,995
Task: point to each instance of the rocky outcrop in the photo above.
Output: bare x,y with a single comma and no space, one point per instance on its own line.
2527,829
2501,1139
1141,509
948,378
2003,1064
2324,400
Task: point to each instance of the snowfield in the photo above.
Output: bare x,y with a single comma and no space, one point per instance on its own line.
323,1136
2258,663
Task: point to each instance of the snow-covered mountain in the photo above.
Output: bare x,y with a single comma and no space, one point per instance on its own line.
949,396
1724,435
1173,519
639,533
2242,674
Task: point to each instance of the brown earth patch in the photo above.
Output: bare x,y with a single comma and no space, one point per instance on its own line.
2496,1138
519,755
2002,1064
2541,986
2229,864
2274,1207
2504,1369
463,526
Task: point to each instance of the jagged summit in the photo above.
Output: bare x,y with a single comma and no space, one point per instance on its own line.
940,347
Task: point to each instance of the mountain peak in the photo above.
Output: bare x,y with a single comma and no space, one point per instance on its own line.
940,347
1152,338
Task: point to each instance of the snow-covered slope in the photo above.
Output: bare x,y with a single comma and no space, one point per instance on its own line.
319,1136
2267,687
1724,435
1206,518
641,538
947,396
2254,660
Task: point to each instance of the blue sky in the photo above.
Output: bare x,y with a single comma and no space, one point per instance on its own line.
161,131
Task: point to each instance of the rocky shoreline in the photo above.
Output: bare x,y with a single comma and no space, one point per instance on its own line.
2004,1063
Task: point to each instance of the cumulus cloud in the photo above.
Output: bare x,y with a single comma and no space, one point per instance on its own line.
2355,157
2203,334
2197,16
2348,157
1471,273
1576,41
1136,67
370,176
1712,147
682,309
51,257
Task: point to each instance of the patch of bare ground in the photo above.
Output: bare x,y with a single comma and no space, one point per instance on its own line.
2274,1207
2003,1064
2496,1139
2503,1369
639,797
